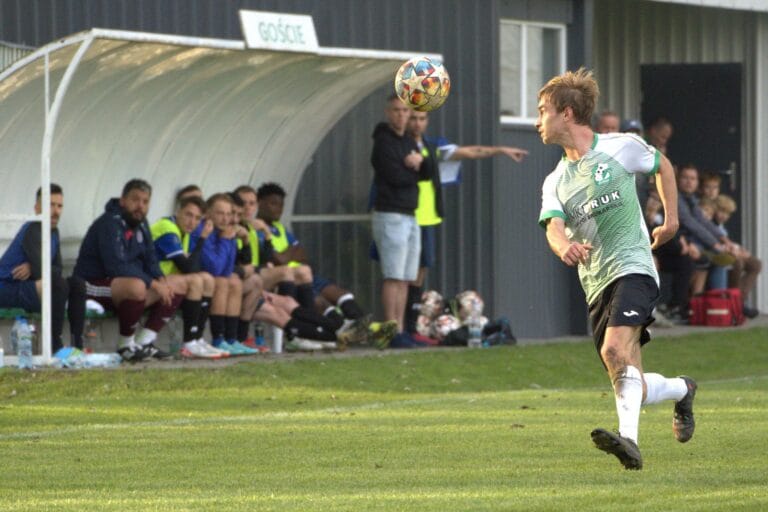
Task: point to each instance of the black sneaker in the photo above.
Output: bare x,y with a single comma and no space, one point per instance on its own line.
150,350
354,334
131,354
750,312
682,421
624,449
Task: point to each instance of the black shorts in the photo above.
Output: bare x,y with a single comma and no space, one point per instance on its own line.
629,300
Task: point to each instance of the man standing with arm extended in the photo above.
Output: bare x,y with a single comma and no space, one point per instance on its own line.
593,221
396,164
430,213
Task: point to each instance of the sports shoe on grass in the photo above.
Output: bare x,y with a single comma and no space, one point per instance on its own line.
381,333
238,349
210,348
254,344
150,350
624,449
353,332
195,350
302,345
131,354
329,345
221,344
682,420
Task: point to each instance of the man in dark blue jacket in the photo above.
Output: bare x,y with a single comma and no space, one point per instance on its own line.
118,262
21,279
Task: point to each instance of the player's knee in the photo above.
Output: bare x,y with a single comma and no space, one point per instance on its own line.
208,282
129,289
611,357
235,285
284,273
194,283
303,274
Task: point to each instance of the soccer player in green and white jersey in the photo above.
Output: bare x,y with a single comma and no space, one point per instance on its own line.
593,221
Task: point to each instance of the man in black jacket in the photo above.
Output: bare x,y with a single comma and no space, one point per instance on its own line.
396,164
118,262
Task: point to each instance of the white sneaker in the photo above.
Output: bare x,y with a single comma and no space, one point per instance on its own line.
195,350
328,345
211,349
302,345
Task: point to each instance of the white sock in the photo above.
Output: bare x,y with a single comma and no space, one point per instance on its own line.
146,336
344,298
329,309
127,342
628,389
659,388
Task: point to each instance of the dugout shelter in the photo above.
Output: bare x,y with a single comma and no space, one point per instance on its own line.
100,107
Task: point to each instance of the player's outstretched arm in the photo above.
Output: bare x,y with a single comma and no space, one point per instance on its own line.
477,152
667,187
571,253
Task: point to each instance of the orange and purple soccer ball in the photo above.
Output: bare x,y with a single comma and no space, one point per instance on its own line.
422,83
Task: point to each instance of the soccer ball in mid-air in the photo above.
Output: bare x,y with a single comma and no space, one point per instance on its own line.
422,83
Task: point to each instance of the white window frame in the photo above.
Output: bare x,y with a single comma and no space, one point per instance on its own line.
526,117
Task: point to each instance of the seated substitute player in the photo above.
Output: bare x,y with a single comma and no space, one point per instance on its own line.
231,299
593,221
171,239
21,282
118,262
253,283
286,250
283,277
219,258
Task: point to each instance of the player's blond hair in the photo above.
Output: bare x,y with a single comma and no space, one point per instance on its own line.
575,89
725,204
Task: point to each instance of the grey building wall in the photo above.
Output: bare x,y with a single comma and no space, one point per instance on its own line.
489,240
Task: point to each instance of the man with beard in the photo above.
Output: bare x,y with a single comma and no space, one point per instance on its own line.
21,281
118,262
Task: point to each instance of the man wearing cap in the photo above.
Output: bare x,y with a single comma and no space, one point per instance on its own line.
632,126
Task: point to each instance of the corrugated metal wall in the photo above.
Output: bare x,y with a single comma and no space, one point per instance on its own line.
10,53
540,295
629,33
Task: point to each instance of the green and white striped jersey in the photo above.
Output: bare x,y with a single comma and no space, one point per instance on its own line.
597,198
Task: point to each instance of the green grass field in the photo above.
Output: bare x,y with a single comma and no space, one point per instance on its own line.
496,429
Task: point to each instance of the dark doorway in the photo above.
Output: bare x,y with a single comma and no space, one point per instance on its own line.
703,102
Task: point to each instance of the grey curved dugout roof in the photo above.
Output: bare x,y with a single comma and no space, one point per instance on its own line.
173,110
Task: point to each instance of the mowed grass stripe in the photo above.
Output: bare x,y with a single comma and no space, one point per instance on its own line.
459,430
485,465
49,410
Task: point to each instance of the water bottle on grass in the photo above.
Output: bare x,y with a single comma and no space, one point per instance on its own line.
21,338
475,327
